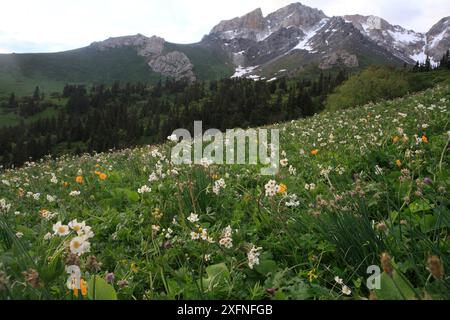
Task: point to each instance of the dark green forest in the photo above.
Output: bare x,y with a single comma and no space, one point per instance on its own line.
100,118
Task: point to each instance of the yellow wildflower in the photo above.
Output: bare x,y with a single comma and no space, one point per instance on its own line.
312,275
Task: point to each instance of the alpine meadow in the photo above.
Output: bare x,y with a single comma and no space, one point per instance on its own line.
321,171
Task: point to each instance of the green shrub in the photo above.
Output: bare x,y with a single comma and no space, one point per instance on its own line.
373,84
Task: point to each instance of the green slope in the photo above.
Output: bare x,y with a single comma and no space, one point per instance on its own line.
210,63
21,73
367,191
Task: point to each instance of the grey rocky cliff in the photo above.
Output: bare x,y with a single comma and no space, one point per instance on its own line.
438,39
254,26
341,57
145,47
174,64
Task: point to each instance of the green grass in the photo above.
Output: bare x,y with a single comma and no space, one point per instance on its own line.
8,118
209,63
21,73
377,183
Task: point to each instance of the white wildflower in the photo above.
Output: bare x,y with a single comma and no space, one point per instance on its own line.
76,226
253,256
346,290
79,246
218,185
48,236
172,138
193,218
378,170
338,280
4,207
205,162
144,189
271,188
60,229
292,201
284,162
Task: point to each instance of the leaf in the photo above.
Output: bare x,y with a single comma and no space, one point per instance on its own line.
428,223
266,266
132,196
394,216
396,287
103,290
420,206
53,270
126,194
216,274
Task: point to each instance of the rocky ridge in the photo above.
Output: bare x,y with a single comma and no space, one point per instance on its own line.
174,64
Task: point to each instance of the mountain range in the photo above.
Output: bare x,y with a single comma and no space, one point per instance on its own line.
292,40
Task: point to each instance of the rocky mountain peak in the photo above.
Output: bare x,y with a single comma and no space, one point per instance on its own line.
407,45
254,26
174,64
443,24
295,14
251,22
438,39
145,46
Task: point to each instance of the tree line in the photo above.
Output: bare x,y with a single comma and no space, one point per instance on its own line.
103,117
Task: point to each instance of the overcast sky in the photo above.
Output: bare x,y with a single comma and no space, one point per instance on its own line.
55,25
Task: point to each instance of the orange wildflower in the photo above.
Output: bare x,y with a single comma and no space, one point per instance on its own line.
79,179
102,176
315,152
282,188
44,213
395,139
398,163
84,287
424,139
20,193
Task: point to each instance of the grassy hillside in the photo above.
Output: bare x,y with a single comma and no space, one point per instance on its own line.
361,187
378,83
21,73
209,63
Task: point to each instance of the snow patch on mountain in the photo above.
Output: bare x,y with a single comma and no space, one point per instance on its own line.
438,38
241,72
303,45
406,37
420,56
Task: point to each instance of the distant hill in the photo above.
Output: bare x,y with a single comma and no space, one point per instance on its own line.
293,40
